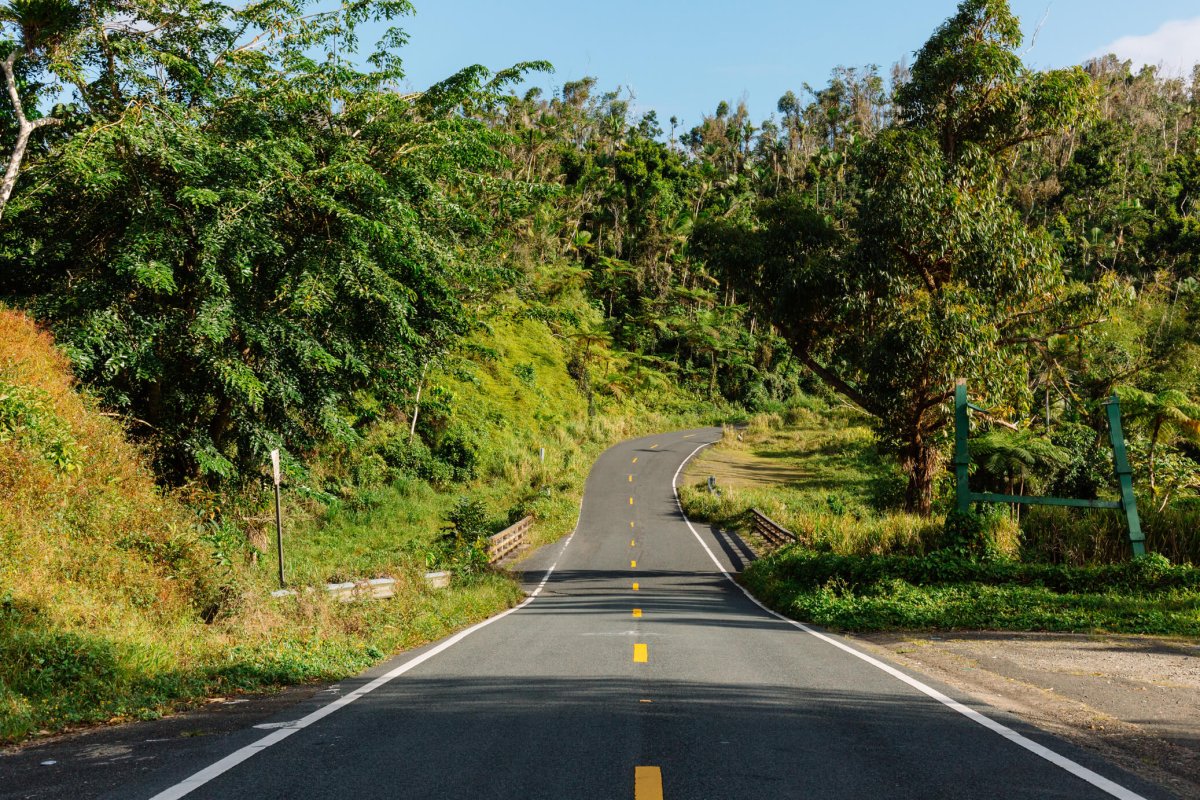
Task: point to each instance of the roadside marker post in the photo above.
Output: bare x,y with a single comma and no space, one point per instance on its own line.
278,515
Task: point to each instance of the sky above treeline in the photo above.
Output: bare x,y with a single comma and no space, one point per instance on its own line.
681,57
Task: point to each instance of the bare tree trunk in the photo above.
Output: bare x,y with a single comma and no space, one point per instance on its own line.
412,429
920,461
24,129
1153,444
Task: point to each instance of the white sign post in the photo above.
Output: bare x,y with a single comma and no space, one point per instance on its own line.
278,515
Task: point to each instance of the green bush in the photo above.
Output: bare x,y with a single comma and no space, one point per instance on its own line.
947,589
459,449
413,457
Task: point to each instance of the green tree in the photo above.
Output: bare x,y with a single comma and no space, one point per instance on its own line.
1158,411
251,245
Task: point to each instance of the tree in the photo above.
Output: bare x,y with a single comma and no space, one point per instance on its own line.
45,32
1168,409
934,275
250,247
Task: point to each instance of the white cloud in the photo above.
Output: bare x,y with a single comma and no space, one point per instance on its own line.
1175,47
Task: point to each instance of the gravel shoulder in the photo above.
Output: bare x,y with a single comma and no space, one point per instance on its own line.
1133,699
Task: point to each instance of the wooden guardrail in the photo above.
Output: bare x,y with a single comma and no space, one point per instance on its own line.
772,532
508,540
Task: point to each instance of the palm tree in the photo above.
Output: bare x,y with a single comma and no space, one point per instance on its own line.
1171,408
1014,454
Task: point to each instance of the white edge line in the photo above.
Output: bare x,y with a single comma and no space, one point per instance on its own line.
218,768
1076,769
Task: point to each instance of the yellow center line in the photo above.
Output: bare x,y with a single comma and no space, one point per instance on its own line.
635,459
640,655
632,543
631,501
653,446
637,612
631,523
690,435
633,565
631,479
647,783
635,586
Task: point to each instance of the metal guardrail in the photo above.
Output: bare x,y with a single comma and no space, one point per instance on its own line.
508,540
771,531
499,546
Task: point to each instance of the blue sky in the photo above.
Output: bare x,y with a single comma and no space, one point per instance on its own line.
682,57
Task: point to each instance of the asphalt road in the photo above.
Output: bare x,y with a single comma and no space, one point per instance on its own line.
639,670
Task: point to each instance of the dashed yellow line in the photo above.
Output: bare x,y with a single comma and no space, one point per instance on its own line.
690,435
640,654
631,479
631,501
634,460
633,565
637,612
632,543
635,586
631,523
653,446
647,783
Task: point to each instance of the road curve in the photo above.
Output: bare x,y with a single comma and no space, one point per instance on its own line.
682,688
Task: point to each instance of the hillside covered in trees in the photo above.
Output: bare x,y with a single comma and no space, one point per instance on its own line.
244,237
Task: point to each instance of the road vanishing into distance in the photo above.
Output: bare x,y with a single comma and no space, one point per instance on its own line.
638,669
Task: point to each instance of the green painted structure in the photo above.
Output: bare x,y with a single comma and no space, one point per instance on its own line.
962,465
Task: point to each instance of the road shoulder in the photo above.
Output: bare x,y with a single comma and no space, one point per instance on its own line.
1133,700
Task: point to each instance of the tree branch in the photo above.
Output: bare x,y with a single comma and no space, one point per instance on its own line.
24,129
834,380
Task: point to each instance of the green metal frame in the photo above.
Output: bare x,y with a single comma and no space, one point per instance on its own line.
1127,503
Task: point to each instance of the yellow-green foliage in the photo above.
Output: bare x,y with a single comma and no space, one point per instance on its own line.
93,560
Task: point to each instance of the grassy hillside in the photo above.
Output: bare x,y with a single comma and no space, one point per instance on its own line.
118,602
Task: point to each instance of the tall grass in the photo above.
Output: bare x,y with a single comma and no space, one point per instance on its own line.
1074,536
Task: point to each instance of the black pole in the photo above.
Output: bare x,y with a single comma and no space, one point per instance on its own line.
279,534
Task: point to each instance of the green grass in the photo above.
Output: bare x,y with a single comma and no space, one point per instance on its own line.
816,471
862,565
946,591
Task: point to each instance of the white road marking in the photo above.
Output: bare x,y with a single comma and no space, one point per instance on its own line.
272,726
218,768
1078,770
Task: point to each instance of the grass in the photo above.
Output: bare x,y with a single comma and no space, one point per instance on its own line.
946,591
814,470
120,602
862,565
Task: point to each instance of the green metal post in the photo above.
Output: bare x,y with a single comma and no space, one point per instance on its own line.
962,454
1137,539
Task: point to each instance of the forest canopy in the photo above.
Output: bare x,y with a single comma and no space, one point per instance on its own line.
245,236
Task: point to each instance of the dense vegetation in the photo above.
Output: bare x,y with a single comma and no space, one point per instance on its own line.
243,237
861,563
